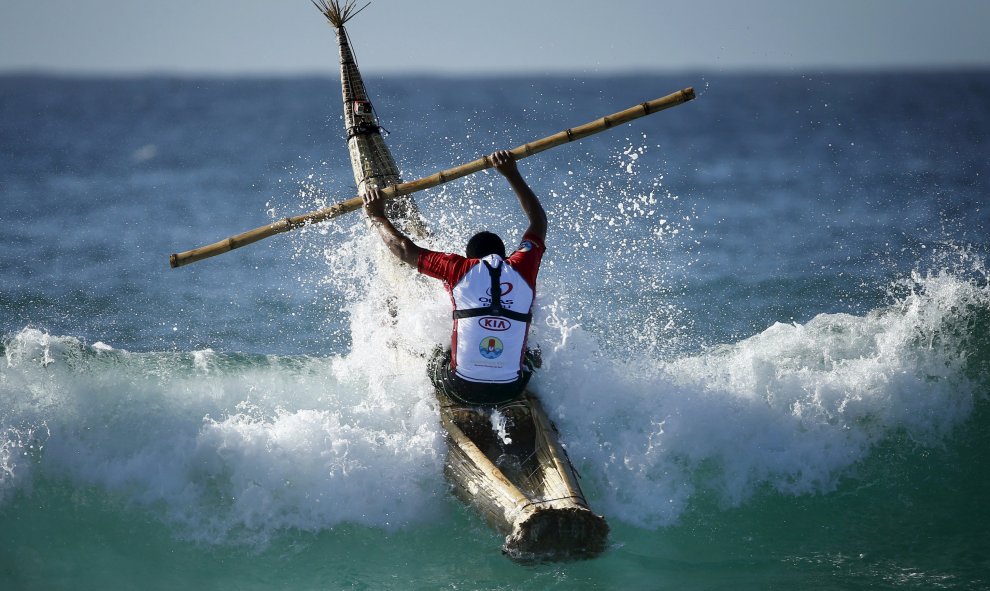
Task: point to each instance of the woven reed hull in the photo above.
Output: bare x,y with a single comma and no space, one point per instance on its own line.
371,160
538,506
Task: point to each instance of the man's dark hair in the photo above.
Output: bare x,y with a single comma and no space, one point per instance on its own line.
483,244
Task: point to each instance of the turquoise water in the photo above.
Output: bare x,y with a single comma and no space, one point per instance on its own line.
764,318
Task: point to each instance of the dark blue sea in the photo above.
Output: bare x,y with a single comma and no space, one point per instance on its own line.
764,315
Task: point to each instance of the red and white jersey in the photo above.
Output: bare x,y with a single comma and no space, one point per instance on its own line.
488,348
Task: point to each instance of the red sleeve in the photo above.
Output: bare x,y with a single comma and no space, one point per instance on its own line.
526,259
446,266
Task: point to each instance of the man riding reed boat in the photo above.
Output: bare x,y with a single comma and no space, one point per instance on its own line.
503,456
487,362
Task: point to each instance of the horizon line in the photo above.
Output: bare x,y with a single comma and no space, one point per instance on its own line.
48,72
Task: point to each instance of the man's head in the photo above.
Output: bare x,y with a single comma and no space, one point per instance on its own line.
483,244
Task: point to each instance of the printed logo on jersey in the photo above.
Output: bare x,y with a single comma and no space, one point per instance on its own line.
525,246
490,347
486,301
506,289
494,323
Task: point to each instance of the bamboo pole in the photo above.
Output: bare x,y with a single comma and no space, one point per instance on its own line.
444,176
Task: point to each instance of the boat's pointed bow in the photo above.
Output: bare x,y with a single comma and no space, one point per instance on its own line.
557,533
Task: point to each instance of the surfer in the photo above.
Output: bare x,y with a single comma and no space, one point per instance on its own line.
488,362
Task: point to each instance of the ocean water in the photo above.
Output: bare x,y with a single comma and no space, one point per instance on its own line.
765,319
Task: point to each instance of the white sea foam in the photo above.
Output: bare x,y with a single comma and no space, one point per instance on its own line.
234,447
227,448
202,359
794,407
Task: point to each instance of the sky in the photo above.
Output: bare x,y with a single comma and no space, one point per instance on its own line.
289,37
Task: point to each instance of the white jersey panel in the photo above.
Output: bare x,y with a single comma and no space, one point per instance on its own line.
490,348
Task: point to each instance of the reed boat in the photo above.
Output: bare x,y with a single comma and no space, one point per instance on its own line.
371,160
525,488
519,478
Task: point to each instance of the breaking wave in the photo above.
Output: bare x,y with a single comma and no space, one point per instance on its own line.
233,447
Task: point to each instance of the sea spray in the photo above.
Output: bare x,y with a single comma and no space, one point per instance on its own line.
808,204
230,447
793,408
226,447
500,425
652,425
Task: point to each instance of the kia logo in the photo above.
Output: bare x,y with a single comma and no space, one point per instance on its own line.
494,323
506,289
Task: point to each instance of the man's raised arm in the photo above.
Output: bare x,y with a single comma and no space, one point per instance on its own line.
506,164
397,242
